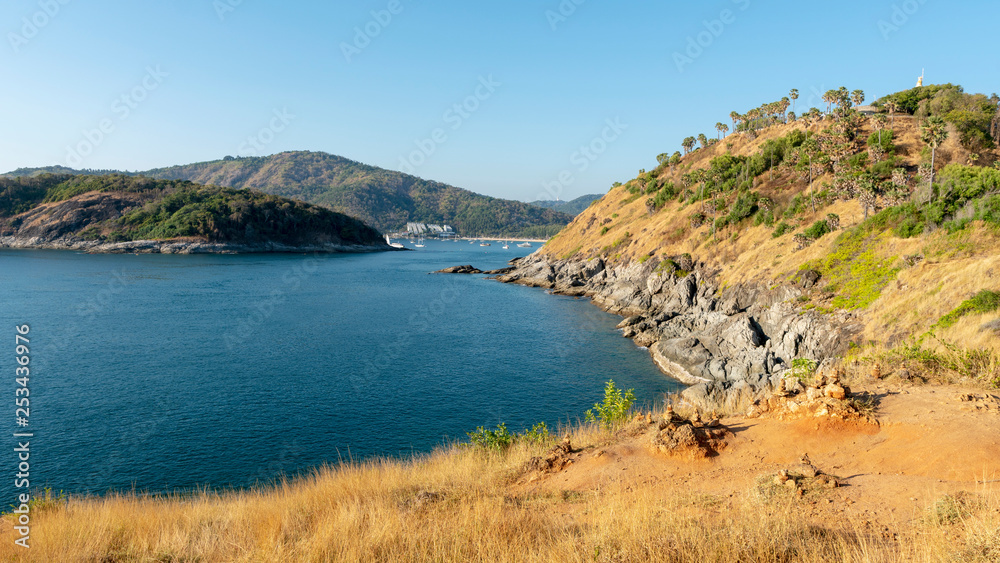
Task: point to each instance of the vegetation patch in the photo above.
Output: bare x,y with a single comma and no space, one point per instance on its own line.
855,268
983,302
615,409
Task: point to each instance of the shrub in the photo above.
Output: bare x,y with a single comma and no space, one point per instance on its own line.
818,229
983,302
615,409
802,369
498,440
501,439
781,229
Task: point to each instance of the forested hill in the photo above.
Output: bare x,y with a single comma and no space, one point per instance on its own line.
382,198
572,207
119,208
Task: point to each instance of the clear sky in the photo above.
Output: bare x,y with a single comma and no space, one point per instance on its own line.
136,85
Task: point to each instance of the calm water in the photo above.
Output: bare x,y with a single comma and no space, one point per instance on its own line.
164,373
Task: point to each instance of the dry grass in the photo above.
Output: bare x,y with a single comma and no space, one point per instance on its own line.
460,505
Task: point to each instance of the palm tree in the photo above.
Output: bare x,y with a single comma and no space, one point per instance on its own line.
703,140
794,95
688,144
878,124
858,97
722,128
830,97
934,132
995,127
735,116
843,97
893,107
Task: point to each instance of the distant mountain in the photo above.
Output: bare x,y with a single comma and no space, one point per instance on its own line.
385,199
106,213
573,207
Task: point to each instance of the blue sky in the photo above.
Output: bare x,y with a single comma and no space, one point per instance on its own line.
115,84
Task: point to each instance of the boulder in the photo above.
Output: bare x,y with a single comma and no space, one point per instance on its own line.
467,269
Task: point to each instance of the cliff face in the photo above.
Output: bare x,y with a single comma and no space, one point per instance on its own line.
786,243
731,343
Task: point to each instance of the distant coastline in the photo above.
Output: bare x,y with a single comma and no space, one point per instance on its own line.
181,247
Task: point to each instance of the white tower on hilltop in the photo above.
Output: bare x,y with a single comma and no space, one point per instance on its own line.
920,80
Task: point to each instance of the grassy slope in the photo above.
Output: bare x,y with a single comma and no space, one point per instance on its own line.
382,198
164,209
460,505
954,266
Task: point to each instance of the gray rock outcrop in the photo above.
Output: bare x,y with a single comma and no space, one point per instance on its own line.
730,344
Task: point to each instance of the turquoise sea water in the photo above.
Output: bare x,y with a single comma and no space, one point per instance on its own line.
164,373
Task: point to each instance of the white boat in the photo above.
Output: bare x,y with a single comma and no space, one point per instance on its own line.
393,244
505,246
524,245
420,243
484,244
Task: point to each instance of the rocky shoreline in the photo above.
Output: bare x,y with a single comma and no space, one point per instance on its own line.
178,247
732,345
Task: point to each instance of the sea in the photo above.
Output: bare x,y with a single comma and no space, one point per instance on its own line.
165,374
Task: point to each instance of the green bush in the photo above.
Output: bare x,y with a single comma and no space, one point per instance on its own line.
781,229
886,141
818,229
983,302
615,409
498,440
802,369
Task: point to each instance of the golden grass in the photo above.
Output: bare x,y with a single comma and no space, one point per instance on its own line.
459,505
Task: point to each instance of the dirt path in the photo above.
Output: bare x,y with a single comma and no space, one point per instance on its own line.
928,442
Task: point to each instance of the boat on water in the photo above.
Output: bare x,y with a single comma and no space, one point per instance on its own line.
393,244
505,246
524,245
420,243
484,244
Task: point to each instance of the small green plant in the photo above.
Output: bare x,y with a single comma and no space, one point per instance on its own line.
781,229
818,229
498,440
802,369
615,409
538,435
951,509
604,231
44,500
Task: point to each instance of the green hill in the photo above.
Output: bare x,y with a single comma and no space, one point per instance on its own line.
573,207
120,208
382,198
